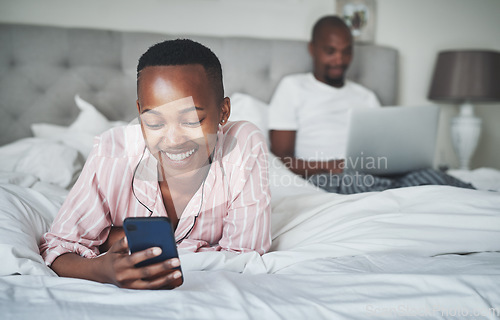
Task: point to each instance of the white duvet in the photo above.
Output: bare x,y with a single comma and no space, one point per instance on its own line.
430,252
376,255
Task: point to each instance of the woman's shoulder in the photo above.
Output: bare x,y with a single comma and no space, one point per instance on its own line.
241,139
242,130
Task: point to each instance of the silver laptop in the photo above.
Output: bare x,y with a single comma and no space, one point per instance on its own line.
392,140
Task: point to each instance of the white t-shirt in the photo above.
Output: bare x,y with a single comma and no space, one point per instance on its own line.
319,113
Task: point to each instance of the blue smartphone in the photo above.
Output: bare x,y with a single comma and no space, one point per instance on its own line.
146,232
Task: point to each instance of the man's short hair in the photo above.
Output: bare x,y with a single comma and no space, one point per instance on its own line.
184,52
328,21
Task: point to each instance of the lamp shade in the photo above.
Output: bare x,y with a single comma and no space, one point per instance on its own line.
466,75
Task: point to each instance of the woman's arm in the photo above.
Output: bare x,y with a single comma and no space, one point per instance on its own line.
115,234
118,267
71,247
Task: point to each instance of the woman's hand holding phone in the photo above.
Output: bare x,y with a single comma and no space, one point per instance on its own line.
122,271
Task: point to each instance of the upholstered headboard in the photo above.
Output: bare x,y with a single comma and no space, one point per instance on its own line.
42,68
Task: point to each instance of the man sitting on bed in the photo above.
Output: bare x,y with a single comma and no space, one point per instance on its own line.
309,117
308,114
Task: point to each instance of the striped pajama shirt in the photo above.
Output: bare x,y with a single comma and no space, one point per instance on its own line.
230,210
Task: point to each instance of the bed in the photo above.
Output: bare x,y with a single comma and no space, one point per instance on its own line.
429,252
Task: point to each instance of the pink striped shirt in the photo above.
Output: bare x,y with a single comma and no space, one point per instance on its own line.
230,211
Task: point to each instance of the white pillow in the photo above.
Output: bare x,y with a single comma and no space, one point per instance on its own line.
81,141
89,120
47,160
245,107
80,134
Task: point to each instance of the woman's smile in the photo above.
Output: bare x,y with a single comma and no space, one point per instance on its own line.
179,156
180,160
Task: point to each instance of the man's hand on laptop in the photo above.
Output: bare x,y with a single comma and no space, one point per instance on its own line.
336,166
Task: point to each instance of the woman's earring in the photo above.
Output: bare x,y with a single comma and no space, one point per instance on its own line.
223,121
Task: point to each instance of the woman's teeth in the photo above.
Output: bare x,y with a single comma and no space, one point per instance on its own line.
179,156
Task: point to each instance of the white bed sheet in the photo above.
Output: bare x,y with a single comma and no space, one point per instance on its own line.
481,178
363,287
379,255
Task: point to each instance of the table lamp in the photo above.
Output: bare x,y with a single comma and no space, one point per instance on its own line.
466,76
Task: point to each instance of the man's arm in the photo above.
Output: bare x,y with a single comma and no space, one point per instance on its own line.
283,146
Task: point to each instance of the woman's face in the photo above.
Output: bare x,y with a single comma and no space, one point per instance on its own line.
180,116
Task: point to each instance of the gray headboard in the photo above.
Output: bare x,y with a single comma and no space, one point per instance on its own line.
42,68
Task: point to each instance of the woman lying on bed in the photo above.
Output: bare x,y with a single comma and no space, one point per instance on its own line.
184,162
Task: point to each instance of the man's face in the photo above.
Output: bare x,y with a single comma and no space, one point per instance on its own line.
332,53
179,117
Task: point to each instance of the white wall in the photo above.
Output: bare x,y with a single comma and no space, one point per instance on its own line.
417,28
289,19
